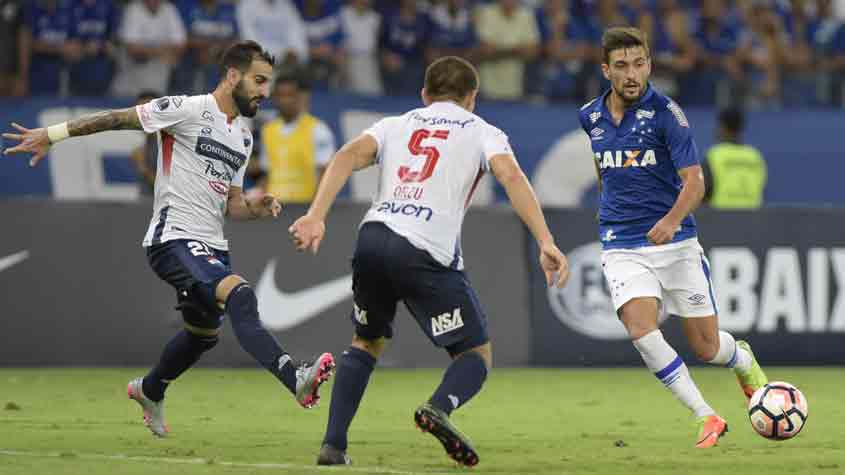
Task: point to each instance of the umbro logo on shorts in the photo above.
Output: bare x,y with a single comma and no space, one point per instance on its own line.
697,299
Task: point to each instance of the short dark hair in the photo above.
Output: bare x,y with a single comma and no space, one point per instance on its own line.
240,56
300,77
450,77
732,119
622,37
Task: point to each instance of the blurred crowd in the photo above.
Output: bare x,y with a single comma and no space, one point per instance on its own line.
764,53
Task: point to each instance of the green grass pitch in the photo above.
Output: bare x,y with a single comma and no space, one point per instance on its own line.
550,421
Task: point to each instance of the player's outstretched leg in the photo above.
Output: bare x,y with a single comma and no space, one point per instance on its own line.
462,380
242,308
353,374
180,353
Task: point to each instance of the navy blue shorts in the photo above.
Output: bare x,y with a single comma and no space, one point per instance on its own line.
386,268
192,267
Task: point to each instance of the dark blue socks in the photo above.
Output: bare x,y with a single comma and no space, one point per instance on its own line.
242,308
351,378
462,381
181,352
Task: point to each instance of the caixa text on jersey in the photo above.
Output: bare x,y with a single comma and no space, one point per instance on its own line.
407,209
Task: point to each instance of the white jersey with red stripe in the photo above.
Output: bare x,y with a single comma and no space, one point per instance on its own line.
201,154
431,160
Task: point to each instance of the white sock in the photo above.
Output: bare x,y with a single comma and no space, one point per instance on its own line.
730,354
670,369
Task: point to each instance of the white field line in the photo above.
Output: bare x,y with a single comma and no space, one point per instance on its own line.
210,462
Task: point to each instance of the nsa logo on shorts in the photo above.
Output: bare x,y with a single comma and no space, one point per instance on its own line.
697,299
446,322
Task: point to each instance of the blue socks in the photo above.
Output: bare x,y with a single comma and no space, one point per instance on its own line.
462,380
351,378
242,308
180,353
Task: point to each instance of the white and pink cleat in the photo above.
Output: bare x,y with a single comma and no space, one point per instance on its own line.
309,377
153,411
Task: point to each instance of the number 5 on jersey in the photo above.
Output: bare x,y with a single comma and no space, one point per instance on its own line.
415,146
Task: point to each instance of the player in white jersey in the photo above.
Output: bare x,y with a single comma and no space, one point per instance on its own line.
408,247
204,147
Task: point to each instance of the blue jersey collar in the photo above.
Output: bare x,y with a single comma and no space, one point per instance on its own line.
602,103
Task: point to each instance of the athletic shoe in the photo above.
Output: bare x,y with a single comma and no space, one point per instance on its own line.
153,411
332,456
309,377
754,378
436,422
710,428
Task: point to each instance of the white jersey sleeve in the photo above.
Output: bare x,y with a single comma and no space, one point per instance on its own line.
378,131
164,112
238,179
324,144
495,142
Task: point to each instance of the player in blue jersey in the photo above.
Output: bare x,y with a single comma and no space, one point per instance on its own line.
650,181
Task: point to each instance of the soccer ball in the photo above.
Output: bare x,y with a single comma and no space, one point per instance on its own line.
778,411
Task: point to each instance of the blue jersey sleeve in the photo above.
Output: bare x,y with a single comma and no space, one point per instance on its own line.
678,136
582,122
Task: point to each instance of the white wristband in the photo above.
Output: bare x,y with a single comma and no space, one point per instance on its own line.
57,133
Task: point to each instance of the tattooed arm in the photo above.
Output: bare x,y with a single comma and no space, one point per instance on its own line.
38,141
117,119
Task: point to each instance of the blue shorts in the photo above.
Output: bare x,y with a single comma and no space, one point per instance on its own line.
193,268
386,268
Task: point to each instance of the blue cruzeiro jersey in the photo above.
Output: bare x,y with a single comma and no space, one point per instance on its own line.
639,162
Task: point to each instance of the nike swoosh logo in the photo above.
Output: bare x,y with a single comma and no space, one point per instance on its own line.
9,261
281,310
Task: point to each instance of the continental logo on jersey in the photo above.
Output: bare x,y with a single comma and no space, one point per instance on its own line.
210,148
625,158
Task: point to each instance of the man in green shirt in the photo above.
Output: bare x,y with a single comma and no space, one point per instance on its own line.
735,173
